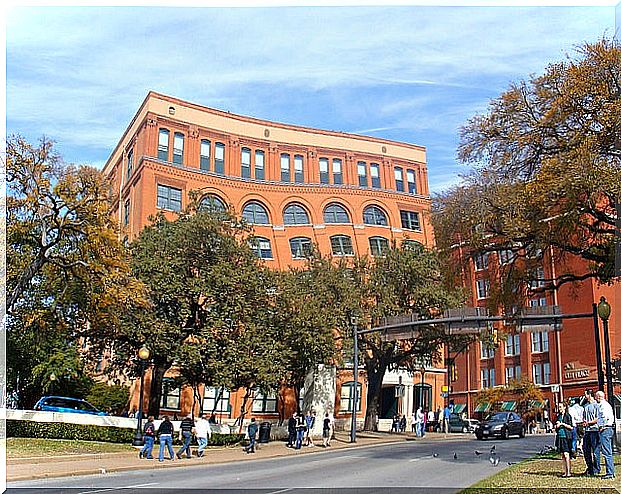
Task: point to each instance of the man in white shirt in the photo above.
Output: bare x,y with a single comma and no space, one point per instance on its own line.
606,425
577,415
202,429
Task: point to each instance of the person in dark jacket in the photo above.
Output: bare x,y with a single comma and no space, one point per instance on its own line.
185,435
291,430
165,432
149,439
564,427
300,429
253,428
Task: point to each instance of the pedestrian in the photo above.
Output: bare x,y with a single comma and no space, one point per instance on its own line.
327,430
420,422
165,432
402,423
414,421
591,447
395,423
564,426
149,439
424,422
606,425
310,425
447,416
291,430
577,415
430,420
300,429
185,434
202,428
253,427
546,421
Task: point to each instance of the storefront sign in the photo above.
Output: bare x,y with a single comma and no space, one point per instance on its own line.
576,370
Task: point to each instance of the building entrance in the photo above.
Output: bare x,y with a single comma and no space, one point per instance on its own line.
388,408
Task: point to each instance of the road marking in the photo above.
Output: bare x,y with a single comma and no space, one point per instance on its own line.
118,488
420,458
281,490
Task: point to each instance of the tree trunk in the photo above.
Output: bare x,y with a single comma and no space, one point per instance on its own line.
33,268
242,413
375,376
155,393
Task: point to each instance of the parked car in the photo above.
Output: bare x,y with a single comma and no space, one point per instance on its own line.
459,424
501,424
64,404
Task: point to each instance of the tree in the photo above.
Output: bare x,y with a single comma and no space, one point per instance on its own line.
547,176
67,273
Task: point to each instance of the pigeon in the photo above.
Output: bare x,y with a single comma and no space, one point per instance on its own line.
478,453
494,460
493,448
435,455
454,456
511,463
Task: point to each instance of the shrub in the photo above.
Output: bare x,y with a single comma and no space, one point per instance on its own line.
106,397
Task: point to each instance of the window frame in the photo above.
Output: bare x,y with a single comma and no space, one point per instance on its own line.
294,215
342,251
219,163
342,208
379,246
411,183
221,206
371,212
298,169
263,400
483,290
130,163
178,156
260,251
398,171
168,198
254,205
337,176
245,166
259,171
363,181
324,175
213,399
162,151
349,385
285,171
376,182
205,159
300,251
168,393
410,220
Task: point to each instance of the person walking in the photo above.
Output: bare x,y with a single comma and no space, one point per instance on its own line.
185,434
149,438
420,422
591,447
423,425
165,432
564,426
328,426
395,423
300,428
577,415
253,428
202,429
291,430
430,419
447,416
606,426
310,425
403,423
414,421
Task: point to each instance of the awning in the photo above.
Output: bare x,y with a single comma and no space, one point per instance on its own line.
459,407
483,407
535,404
508,406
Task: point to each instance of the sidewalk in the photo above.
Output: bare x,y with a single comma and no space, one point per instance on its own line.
48,467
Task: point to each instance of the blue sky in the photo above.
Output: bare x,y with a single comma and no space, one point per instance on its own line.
408,73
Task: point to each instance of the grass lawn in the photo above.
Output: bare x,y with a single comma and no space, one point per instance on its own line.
21,447
542,474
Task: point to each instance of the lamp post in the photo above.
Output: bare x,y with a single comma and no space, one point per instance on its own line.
143,356
52,381
354,323
598,348
603,310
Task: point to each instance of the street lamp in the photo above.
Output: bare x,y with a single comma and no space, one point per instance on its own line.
354,323
143,356
52,381
603,310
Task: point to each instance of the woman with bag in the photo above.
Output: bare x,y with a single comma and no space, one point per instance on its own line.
564,427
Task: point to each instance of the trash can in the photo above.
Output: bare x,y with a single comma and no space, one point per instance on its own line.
264,432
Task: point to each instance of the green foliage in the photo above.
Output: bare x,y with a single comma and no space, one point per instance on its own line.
62,373
59,430
112,398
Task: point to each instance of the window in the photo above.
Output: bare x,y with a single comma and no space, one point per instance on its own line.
170,394
506,256
216,400
411,176
245,162
541,373
205,162
362,174
412,245
379,246
347,397
513,373
481,261
341,245
212,203
126,213
399,179
298,167
537,279
285,168
375,176
538,302
512,344
488,378
130,162
295,215
373,215
301,247
482,289
335,213
487,351
410,220
539,342
337,171
259,165
255,214
219,158
261,247
264,403
162,145
324,174
178,148
168,198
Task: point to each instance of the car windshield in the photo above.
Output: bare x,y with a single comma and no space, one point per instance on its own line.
497,417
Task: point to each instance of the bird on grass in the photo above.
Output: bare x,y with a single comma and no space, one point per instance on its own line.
454,456
493,449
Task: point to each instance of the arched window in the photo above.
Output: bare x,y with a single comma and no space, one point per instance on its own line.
412,245
379,246
255,213
373,215
335,213
212,203
341,245
261,247
295,214
301,247
162,145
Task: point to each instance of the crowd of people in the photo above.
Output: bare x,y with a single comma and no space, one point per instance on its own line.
586,429
300,427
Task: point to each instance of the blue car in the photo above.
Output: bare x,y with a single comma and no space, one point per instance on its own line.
68,405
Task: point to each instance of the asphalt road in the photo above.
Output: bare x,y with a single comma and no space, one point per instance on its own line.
413,466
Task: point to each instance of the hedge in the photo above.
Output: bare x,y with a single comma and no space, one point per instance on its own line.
82,432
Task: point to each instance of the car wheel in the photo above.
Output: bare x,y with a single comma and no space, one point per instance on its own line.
505,433
523,432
